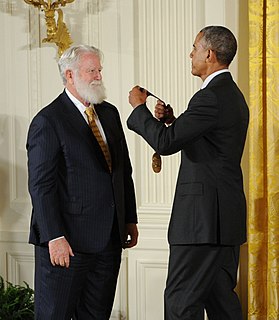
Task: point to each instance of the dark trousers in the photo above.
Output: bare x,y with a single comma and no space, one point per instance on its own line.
84,291
202,277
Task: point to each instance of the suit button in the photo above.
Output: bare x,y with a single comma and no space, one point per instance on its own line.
113,205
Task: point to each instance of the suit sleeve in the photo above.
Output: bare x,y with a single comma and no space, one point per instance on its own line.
43,150
130,202
201,116
129,190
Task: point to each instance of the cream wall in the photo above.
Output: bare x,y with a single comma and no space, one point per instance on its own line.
145,42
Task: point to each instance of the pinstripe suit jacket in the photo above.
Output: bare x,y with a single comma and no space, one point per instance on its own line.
72,191
209,204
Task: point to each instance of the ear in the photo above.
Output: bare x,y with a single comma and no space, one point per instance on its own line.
211,56
69,76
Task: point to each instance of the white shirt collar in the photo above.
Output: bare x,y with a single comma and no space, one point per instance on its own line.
81,107
211,76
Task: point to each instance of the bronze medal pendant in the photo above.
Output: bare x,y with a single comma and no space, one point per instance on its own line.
156,158
156,162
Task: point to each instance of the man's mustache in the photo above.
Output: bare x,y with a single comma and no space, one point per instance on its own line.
96,83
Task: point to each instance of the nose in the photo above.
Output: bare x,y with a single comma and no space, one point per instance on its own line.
191,54
98,75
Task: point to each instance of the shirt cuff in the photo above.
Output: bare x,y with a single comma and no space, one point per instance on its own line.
57,238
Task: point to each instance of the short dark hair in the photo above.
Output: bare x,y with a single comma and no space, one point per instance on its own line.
222,41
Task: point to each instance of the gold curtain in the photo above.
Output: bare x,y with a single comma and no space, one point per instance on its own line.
263,199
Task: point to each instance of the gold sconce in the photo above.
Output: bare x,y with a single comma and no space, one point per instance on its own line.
56,32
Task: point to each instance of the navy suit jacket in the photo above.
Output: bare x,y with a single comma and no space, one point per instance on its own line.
72,191
209,204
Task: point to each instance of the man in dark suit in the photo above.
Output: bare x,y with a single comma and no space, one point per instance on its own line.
208,221
84,209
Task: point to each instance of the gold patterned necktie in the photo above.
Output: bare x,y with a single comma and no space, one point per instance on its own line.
91,115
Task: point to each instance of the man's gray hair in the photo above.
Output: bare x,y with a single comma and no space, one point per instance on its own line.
222,41
70,58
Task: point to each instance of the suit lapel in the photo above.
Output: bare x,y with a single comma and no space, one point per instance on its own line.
77,122
107,119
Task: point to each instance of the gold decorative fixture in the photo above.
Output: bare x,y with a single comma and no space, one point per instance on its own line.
56,32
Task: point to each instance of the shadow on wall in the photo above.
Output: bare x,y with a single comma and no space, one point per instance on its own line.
15,206
4,183
4,194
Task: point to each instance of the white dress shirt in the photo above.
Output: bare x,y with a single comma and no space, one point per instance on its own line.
81,108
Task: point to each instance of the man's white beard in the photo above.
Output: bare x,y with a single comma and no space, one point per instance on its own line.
93,92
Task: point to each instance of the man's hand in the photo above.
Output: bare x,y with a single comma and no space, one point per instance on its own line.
131,235
164,112
60,252
137,96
